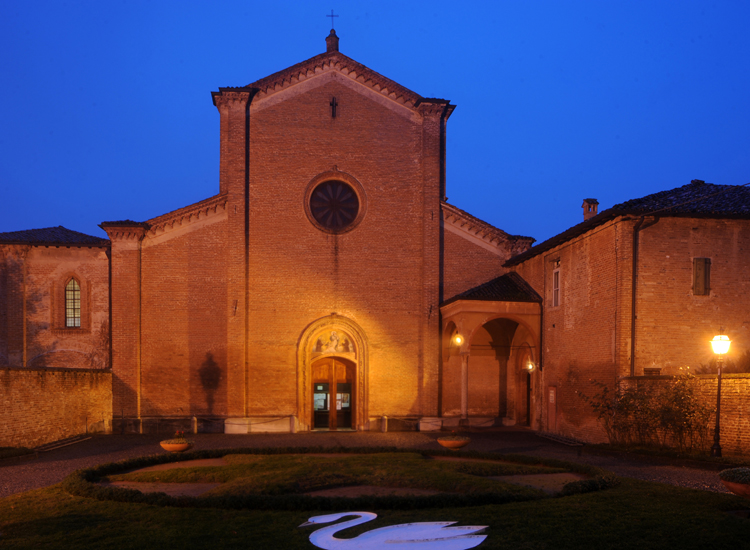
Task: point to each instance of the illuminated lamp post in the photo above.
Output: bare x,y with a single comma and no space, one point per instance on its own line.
720,345
459,340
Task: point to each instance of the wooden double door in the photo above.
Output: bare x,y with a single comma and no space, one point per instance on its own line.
333,393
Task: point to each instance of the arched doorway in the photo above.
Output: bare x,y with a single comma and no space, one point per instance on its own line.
333,391
332,375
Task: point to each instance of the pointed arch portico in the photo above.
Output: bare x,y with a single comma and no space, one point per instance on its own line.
509,330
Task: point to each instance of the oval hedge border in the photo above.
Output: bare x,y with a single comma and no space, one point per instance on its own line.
736,475
83,483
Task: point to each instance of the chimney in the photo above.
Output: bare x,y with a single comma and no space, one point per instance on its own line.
590,208
332,42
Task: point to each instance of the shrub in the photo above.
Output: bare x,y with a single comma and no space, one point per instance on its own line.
736,475
667,415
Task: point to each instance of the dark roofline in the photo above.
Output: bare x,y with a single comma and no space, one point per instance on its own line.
728,202
471,294
87,241
604,217
563,237
124,223
105,243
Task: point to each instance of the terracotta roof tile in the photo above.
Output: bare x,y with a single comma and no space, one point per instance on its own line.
695,200
57,236
510,287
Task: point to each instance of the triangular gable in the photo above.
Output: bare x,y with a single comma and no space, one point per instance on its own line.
334,62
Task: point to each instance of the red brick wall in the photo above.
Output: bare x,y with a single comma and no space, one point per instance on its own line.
44,405
32,287
184,322
581,337
674,326
126,329
466,264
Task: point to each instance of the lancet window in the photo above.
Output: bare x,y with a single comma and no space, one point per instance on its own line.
73,304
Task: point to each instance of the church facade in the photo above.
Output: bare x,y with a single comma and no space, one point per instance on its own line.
329,285
310,287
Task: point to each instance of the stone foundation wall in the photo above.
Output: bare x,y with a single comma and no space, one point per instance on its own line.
44,405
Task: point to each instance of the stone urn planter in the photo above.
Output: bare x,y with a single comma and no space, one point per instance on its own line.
453,442
178,444
737,480
175,447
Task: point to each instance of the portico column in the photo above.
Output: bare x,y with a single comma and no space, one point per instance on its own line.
464,385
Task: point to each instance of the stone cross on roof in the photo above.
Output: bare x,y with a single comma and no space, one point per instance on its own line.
332,16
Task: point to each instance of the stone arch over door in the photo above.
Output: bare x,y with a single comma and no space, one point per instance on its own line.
336,337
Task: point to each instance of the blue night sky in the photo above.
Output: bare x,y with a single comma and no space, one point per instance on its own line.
106,112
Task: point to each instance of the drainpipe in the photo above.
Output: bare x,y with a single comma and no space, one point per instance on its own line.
639,226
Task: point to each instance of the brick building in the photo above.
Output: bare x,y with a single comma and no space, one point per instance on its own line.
638,289
41,272
329,284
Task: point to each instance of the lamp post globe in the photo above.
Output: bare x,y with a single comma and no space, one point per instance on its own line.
720,344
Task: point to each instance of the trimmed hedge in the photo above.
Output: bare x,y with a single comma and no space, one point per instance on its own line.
736,475
83,483
11,452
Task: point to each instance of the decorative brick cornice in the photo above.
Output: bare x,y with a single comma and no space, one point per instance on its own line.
227,98
330,61
493,237
126,230
435,107
188,214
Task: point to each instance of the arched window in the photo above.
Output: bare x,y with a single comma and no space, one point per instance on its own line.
73,304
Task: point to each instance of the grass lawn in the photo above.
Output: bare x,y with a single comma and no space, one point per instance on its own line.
634,514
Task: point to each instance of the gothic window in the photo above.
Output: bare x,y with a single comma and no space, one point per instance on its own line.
334,205
73,304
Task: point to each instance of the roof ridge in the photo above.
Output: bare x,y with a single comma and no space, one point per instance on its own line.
508,287
56,235
658,204
472,218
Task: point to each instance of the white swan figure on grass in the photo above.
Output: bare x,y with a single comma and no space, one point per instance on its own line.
406,536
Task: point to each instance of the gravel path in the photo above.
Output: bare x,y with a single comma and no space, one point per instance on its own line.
53,466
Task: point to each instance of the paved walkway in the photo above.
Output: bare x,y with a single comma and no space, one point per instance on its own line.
53,466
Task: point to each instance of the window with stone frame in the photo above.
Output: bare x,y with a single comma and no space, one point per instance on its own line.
73,304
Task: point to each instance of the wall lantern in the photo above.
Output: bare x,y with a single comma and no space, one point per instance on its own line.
720,345
530,366
458,339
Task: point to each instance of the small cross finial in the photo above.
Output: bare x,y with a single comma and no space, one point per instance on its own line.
332,16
